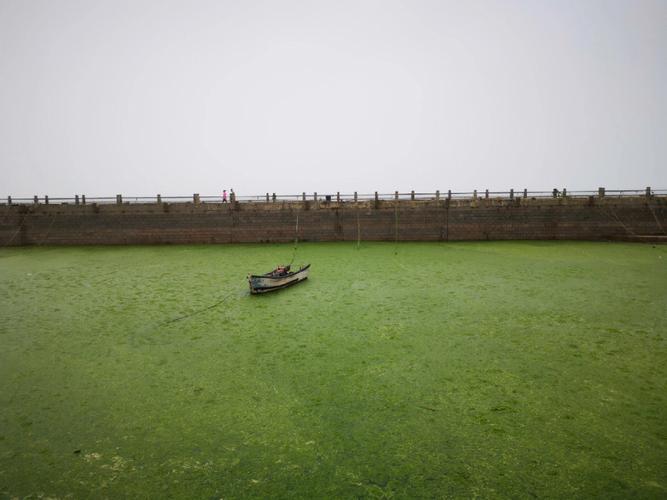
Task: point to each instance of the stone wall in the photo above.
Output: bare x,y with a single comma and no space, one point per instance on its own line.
593,218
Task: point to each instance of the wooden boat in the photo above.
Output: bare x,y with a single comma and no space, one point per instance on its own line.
280,277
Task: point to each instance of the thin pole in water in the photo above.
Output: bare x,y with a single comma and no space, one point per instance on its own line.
358,230
296,238
395,228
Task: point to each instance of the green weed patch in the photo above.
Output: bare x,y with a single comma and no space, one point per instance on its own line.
414,370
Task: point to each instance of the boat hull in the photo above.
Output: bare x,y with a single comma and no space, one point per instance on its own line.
267,283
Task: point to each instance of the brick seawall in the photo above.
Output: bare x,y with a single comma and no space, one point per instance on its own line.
593,218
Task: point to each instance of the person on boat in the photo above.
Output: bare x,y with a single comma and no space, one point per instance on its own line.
281,270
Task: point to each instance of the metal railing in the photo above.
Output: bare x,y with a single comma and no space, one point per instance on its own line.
339,197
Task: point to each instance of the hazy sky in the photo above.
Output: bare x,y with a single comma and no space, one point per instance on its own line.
176,97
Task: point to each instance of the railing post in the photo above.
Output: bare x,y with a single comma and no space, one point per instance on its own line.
338,196
119,199
274,197
36,200
396,195
511,193
76,199
525,193
83,199
601,192
355,196
648,193
412,195
159,198
9,200
437,195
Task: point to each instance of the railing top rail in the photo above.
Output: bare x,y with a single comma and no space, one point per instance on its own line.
336,195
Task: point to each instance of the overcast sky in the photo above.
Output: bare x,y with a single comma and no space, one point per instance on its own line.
176,97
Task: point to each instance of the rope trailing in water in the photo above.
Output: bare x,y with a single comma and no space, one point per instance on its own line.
198,311
296,238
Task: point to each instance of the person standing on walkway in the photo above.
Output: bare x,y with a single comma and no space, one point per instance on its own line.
224,196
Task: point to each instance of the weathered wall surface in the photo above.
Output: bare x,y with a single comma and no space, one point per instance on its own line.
640,218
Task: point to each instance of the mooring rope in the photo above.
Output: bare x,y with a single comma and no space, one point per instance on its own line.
627,229
17,231
198,311
40,242
657,221
48,231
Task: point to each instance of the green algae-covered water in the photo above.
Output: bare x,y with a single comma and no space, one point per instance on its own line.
411,370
